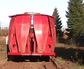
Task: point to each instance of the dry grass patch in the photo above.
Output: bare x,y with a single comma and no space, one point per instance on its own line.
2,48
65,64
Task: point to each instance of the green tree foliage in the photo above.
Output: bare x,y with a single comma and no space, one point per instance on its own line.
57,19
75,15
58,23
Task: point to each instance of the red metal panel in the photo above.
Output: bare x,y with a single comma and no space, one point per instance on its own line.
48,47
38,32
11,35
48,44
45,34
33,54
53,31
22,31
41,27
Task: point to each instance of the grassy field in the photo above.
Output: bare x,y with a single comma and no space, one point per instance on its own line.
69,56
65,64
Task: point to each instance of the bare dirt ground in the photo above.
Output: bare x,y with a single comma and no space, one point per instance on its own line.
68,57
26,65
20,64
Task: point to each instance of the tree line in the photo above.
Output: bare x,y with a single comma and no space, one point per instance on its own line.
75,19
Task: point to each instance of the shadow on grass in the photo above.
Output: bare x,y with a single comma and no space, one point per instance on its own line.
74,55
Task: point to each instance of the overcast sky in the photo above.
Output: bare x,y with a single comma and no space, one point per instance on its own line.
11,7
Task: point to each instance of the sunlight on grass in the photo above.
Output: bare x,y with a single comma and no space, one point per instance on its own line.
77,66
65,64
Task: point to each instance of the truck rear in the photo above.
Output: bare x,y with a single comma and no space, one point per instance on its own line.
31,34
